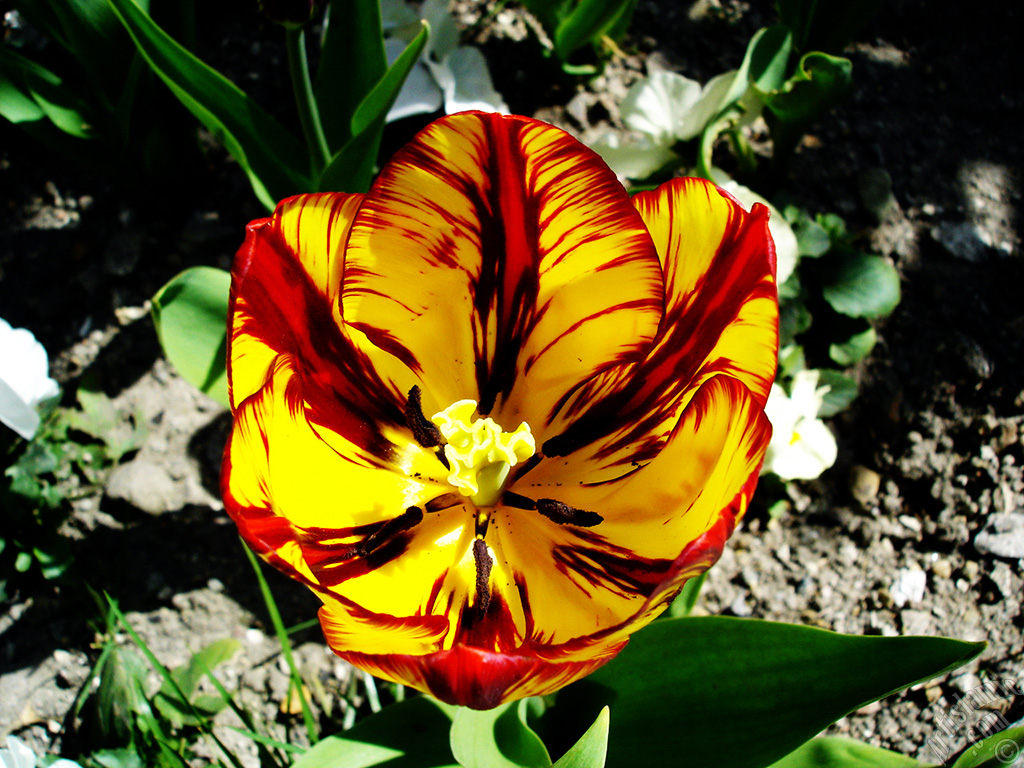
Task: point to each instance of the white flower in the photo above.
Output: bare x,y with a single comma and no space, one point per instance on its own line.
448,74
24,379
17,755
662,109
802,447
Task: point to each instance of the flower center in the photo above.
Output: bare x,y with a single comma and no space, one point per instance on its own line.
480,454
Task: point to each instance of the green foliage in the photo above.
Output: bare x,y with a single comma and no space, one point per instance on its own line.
575,25
190,315
592,748
689,681
834,752
119,722
72,453
497,738
103,109
998,750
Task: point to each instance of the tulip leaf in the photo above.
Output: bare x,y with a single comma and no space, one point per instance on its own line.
690,681
270,155
29,92
854,349
412,734
352,62
497,738
587,23
997,751
836,752
861,285
352,168
190,314
592,748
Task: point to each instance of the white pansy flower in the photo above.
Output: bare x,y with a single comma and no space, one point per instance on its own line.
661,110
17,755
24,379
802,447
448,75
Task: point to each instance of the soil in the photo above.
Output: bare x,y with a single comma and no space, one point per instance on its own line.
918,528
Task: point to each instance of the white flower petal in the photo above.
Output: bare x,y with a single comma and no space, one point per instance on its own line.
394,14
657,105
466,82
811,451
632,156
17,755
704,109
24,379
444,35
420,94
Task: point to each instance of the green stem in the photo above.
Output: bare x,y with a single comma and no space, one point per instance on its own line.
309,115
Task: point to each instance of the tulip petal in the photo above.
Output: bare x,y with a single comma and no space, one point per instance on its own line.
601,576
496,259
721,317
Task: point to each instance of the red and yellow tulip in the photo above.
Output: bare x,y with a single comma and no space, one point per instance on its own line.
495,412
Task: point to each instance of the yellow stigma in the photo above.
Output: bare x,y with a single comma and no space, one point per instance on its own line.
479,453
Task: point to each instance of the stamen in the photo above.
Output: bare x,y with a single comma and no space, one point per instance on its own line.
424,431
483,573
563,514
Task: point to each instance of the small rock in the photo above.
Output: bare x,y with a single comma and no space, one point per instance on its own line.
942,569
970,570
1002,576
739,607
961,241
864,484
933,693
147,486
909,586
916,622
1003,536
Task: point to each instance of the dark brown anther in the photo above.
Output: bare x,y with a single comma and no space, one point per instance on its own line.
565,515
423,429
444,501
483,573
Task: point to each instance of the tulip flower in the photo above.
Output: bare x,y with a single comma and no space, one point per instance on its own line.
25,383
494,412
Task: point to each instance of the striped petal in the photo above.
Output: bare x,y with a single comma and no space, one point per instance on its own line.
499,260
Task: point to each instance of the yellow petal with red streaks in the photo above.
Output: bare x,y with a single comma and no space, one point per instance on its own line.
647,517
303,497
721,318
499,260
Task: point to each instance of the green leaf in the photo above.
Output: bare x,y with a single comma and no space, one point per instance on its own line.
592,748
170,703
812,239
352,168
854,349
23,81
412,734
1000,750
835,752
587,23
687,598
271,157
497,738
794,319
861,285
842,391
820,82
352,62
684,687
190,314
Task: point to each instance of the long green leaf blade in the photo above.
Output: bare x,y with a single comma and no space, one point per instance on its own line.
761,687
592,748
269,154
